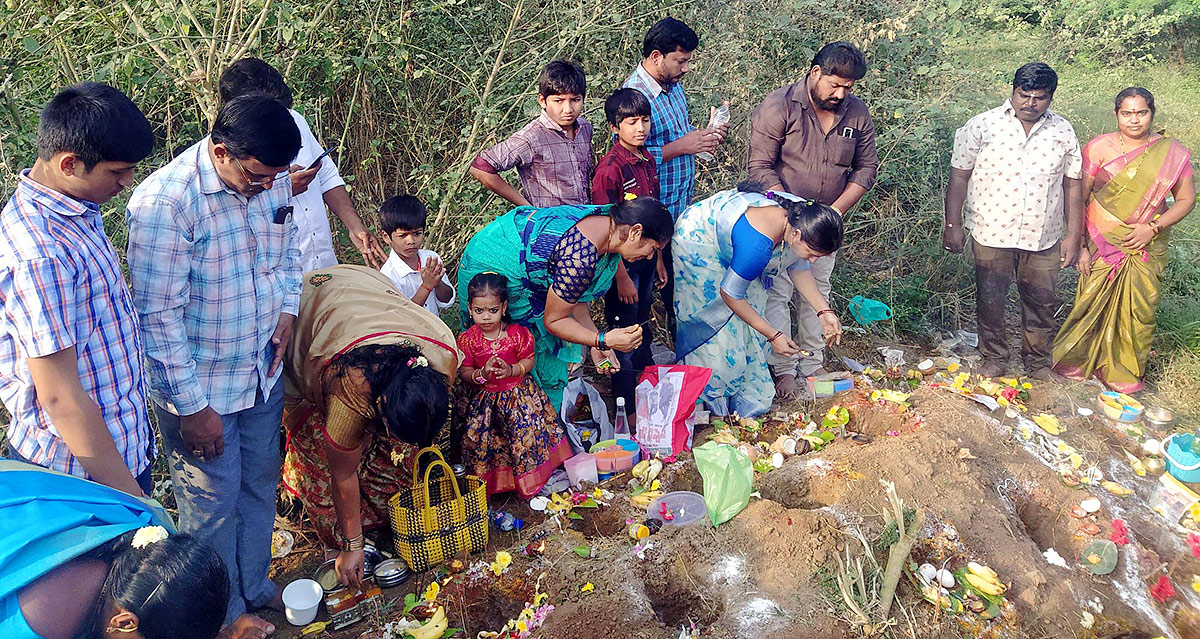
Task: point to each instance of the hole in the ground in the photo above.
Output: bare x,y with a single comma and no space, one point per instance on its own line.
488,604
678,596
599,522
791,487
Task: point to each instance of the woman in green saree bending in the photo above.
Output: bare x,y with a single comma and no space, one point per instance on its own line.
556,260
1128,175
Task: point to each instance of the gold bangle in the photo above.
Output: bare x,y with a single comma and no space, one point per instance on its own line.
353,544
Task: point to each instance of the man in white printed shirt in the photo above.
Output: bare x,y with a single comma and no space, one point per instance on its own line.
1017,169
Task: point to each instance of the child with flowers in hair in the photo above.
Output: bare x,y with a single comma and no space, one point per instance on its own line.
511,436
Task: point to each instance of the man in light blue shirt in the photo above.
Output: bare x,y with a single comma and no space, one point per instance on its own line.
214,269
667,53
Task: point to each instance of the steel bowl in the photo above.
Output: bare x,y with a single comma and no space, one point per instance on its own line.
371,559
391,572
326,575
1159,416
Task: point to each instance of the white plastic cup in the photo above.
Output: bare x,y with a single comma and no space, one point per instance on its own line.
301,598
581,468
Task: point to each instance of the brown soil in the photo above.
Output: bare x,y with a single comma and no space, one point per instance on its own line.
767,572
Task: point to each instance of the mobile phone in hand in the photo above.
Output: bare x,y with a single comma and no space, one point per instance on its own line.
318,160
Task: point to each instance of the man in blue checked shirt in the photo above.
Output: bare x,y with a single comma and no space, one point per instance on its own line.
214,269
667,54
71,369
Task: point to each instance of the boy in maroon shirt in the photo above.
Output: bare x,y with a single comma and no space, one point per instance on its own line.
628,170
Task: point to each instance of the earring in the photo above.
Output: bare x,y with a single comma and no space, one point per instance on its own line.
124,631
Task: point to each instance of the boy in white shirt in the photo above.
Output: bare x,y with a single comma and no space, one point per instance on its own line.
417,273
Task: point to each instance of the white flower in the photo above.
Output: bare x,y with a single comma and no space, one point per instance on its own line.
149,535
421,361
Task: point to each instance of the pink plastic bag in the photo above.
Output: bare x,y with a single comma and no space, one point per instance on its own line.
666,398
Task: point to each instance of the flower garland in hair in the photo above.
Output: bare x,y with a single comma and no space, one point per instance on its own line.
418,362
148,535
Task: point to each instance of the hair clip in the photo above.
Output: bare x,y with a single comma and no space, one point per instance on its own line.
630,196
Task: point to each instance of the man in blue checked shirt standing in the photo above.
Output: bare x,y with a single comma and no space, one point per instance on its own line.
667,54
214,269
71,370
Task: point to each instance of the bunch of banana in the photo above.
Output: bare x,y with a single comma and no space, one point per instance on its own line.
434,628
642,500
647,470
1116,489
984,579
725,436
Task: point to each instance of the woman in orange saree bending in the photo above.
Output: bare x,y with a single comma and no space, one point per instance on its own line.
367,383
1128,176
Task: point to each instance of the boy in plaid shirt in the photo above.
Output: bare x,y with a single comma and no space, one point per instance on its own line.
553,153
629,170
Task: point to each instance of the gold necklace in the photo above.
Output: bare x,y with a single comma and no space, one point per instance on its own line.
1133,170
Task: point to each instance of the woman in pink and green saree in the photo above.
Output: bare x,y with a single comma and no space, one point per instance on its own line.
1128,176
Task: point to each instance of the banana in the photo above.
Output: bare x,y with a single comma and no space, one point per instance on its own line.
434,628
639,470
652,472
314,628
982,571
642,500
986,586
1116,489
724,437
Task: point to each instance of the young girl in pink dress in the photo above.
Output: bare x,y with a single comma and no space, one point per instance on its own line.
511,434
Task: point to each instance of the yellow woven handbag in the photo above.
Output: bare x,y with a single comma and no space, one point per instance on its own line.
433,520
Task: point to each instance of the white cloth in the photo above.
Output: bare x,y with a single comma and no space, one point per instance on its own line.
408,281
312,222
1015,196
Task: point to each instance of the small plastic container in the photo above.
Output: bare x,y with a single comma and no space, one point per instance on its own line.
830,384
1119,406
301,598
1182,463
685,506
1171,499
581,468
616,455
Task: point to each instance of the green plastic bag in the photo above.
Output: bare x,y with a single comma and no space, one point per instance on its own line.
728,480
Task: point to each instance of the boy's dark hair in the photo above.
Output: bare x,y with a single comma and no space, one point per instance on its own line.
251,75
402,212
668,36
259,127
841,59
413,400
488,282
1035,76
95,122
562,77
625,103
1129,92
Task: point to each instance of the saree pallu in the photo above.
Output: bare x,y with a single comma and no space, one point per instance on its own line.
519,245
708,333
1110,329
48,519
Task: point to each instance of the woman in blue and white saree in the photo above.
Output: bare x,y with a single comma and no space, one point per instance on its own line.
728,249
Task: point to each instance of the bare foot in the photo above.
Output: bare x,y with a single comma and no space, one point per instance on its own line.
247,626
786,387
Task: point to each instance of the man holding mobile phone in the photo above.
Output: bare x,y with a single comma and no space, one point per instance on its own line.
316,182
816,140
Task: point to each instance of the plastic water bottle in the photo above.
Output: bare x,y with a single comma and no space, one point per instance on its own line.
721,116
621,423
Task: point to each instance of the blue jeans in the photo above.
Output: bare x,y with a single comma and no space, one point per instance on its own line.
229,502
618,314
144,480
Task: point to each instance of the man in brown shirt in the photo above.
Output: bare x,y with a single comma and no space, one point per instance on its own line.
816,140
